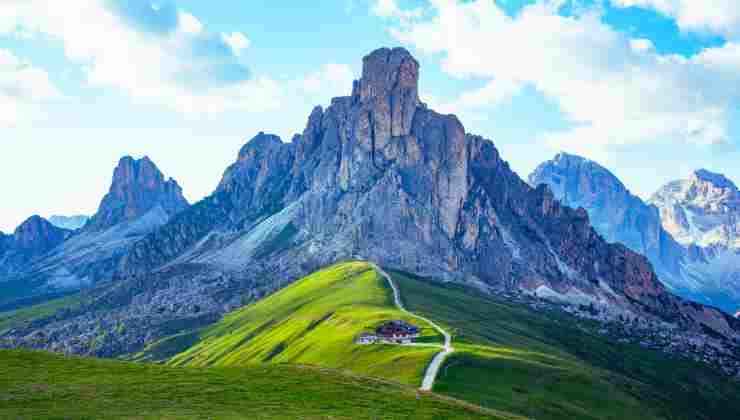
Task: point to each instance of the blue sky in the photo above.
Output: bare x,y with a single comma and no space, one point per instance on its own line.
649,88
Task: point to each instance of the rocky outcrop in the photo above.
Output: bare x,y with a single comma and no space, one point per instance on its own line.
379,176
389,91
138,187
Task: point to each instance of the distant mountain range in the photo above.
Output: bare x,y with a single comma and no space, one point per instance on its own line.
688,229
43,259
32,239
376,176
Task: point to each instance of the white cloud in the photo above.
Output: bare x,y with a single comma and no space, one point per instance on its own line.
614,89
641,45
494,91
189,24
155,54
237,41
390,9
331,80
720,17
21,85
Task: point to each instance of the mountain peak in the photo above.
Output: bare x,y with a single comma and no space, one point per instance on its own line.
716,179
127,163
567,157
262,141
561,173
389,88
137,187
701,210
377,175
386,71
38,234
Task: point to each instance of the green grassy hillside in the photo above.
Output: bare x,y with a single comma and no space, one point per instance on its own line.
314,322
543,366
508,357
36,385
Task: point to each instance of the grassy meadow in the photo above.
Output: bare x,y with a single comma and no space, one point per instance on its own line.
38,385
541,365
292,355
315,321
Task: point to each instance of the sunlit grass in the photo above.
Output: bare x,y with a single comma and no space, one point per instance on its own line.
541,365
37,385
315,322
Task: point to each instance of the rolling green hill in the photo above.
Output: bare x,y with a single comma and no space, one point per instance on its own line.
315,321
37,385
542,365
508,357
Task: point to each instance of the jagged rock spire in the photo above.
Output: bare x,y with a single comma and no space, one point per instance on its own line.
137,187
389,72
389,87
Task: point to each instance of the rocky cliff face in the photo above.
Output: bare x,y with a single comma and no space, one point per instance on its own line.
32,239
378,176
700,265
703,213
139,201
138,187
703,210
614,212
38,235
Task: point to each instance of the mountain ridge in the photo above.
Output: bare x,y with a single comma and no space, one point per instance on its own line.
137,187
703,213
615,212
375,175
139,201
687,266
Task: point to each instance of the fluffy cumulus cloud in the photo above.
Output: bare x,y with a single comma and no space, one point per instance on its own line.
21,85
615,90
150,49
391,9
720,17
494,91
331,80
237,41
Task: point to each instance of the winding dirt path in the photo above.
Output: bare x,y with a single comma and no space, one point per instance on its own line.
433,369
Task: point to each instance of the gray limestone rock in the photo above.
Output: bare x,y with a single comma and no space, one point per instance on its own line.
375,175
